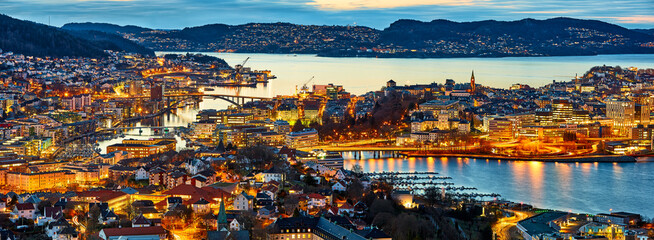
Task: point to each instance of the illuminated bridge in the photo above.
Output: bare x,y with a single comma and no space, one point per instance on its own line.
233,99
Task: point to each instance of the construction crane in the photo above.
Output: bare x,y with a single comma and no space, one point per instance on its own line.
304,87
238,67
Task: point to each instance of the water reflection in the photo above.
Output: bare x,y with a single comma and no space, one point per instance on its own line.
578,187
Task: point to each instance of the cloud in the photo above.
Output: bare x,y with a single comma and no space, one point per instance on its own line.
631,19
549,12
385,4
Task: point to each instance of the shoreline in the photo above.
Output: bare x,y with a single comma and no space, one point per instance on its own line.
582,159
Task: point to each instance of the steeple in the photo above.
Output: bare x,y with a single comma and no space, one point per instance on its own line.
221,146
472,82
222,215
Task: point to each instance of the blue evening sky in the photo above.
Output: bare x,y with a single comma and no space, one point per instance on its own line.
169,14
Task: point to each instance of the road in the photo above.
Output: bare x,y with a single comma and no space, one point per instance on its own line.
504,225
82,228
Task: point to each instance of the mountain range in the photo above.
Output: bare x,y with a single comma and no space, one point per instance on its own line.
403,38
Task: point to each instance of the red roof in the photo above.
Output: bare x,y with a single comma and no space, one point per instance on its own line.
273,182
184,189
24,206
101,195
208,193
346,206
137,231
316,196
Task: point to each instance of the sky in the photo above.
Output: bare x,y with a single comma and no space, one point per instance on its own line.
379,14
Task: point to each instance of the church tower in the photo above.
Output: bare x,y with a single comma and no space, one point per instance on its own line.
472,83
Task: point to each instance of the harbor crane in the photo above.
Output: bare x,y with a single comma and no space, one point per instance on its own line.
304,87
239,67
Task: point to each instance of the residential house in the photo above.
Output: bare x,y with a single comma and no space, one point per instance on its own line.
340,186
201,206
23,210
243,202
50,214
61,230
316,200
267,211
141,174
141,221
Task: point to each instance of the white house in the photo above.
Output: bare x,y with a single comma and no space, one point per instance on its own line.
272,174
23,210
201,206
234,225
339,186
346,209
340,174
141,174
61,230
243,202
316,201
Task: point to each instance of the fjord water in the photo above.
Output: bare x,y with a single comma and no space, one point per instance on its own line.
578,187
361,75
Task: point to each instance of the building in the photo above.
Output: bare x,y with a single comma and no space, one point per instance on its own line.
305,138
40,180
562,110
243,202
622,112
538,226
144,148
502,128
318,228
23,210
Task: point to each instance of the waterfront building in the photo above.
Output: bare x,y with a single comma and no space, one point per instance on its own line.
305,138
622,112
503,128
540,225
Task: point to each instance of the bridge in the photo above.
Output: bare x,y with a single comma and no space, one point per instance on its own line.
233,99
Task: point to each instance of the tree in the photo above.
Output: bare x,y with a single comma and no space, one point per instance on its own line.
298,126
355,190
93,222
432,195
357,169
309,180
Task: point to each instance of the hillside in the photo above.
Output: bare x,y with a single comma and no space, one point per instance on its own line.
112,41
646,31
35,39
556,36
104,27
